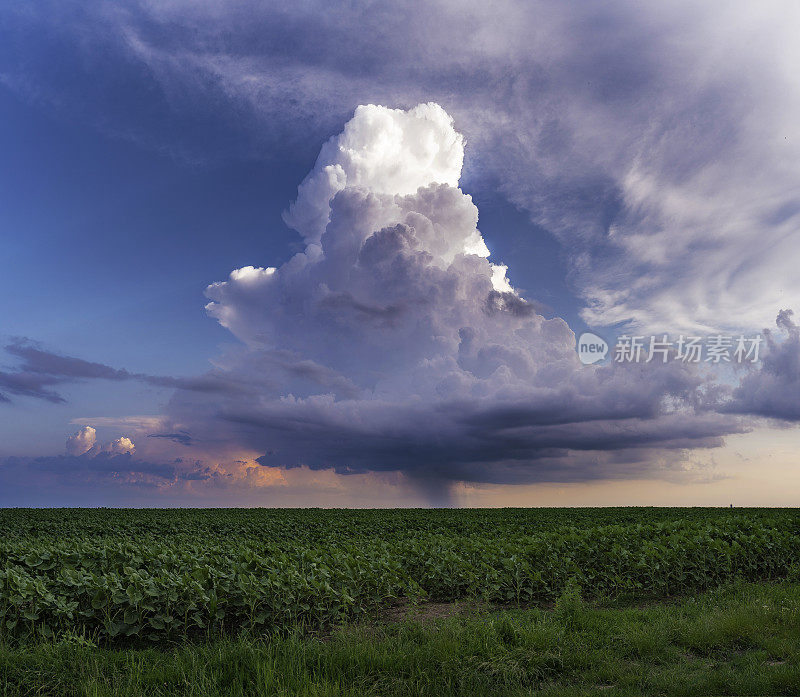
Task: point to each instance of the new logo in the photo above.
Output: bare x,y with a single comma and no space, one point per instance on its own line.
591,348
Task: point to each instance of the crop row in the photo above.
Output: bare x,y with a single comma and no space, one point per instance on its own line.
317,526
154,588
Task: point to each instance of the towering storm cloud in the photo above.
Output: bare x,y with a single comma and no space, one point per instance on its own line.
392,342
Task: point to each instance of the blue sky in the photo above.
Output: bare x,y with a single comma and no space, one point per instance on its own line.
632,171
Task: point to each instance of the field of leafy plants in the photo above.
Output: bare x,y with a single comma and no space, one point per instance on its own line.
138,576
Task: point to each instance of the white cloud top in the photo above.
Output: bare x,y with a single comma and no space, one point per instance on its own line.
82,441
384,151
387,184
120,446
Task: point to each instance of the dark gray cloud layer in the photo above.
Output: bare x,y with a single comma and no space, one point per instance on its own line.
40,370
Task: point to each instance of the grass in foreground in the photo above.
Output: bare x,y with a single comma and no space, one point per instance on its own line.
741,640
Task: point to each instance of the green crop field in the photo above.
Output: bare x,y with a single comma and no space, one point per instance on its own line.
624,601
130,576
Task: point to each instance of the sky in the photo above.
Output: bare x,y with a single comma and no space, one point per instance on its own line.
341,254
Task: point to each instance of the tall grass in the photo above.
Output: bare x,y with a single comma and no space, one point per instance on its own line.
740,640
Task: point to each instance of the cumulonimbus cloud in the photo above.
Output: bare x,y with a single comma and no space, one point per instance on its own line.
392,342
